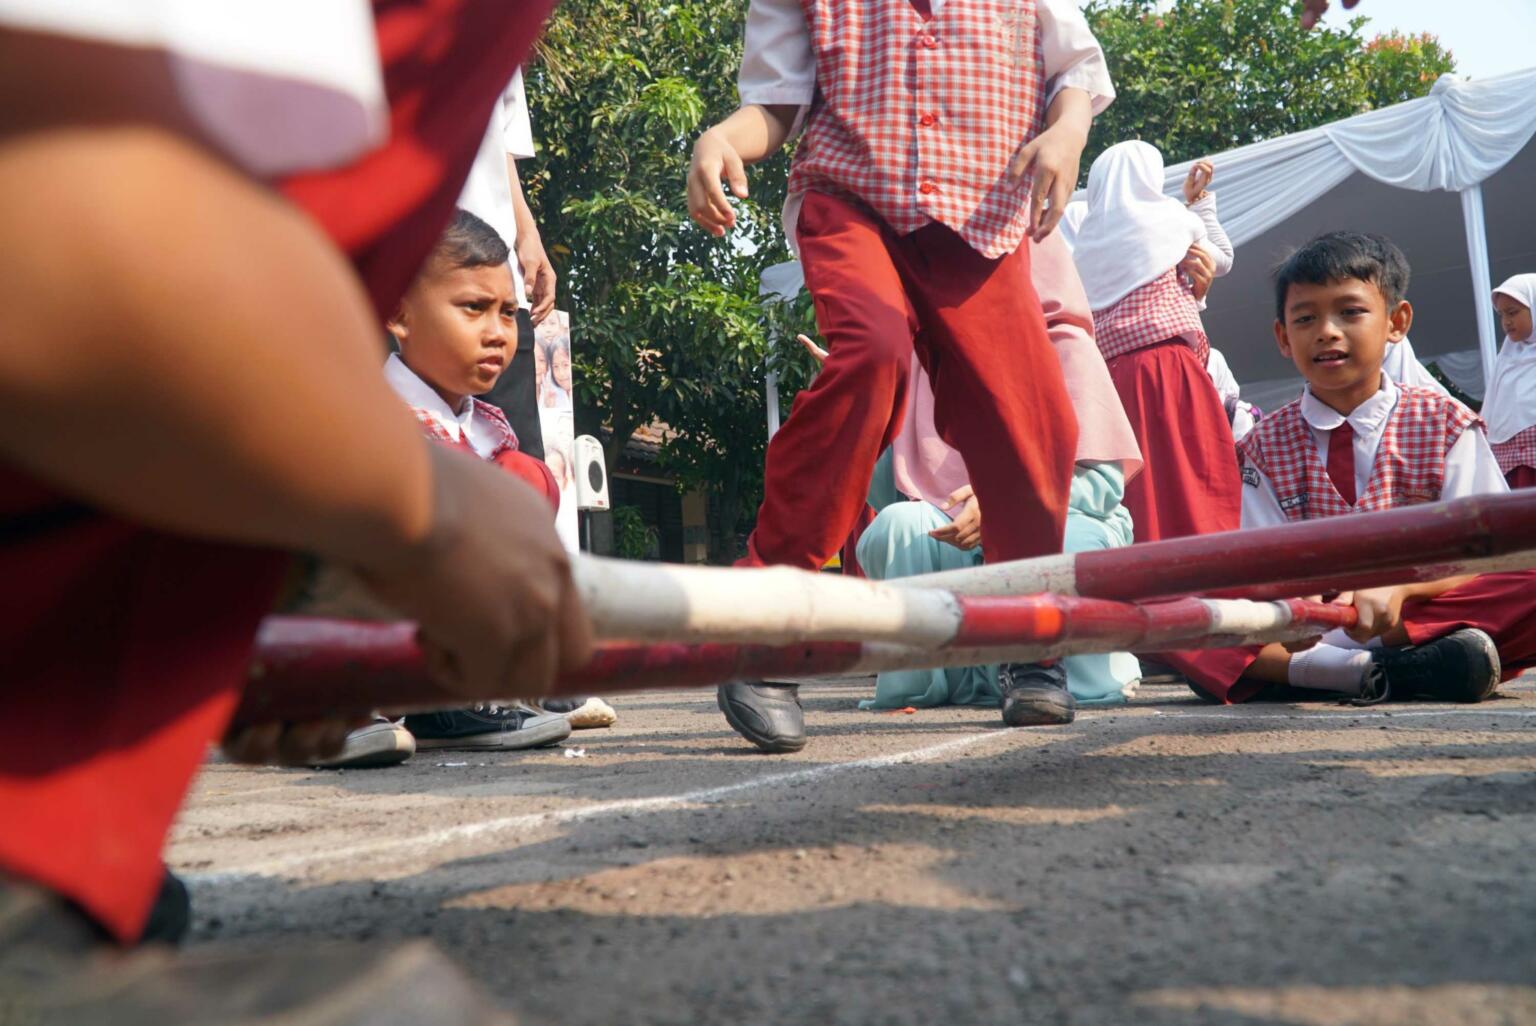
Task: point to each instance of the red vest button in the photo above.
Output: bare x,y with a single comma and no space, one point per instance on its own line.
927,187
926,120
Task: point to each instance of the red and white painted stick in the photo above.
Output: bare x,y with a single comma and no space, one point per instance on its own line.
307,668
1403,546
707,625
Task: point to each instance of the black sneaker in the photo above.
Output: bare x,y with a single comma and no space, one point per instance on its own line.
488,726
1035,694
768,715
1463,666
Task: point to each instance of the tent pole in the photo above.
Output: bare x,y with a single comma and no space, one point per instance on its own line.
1482,284
771,390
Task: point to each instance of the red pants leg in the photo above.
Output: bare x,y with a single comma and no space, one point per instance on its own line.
1502,605
124,653
1189,483
124,650
819,465
999,396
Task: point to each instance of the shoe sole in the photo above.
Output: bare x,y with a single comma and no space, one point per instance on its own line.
773,746
1039,712
374,751
1495,668
540,735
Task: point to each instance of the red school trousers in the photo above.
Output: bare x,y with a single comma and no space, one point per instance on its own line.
123,650
999,397
1189,483
1503,605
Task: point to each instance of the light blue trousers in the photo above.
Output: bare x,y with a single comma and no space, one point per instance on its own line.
897,545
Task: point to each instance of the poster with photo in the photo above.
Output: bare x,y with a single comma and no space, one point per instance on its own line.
552,378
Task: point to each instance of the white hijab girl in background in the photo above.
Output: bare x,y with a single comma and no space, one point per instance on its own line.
1509,409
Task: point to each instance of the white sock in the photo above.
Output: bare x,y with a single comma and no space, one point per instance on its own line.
1329,669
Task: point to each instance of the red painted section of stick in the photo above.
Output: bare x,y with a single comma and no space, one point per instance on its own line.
1392,546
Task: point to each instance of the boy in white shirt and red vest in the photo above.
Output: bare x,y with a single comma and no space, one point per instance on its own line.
457,329
940,136
1355,442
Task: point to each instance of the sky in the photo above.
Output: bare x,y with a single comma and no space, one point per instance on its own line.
1487,37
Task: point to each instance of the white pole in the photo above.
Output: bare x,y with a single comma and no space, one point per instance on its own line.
1482,284
772,389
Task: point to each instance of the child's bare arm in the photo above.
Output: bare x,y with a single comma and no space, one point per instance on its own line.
182,347
1380,610
751,134
1054,157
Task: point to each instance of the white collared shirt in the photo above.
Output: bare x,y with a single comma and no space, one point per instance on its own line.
1470,467
466,422
778,66
488,189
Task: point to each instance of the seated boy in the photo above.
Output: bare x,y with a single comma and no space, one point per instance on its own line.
456,329
1354,442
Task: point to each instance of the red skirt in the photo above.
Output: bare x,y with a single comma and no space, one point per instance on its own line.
1502,605
1189,483
1521,477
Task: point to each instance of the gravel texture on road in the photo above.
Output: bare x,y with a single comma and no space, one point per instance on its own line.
1169,862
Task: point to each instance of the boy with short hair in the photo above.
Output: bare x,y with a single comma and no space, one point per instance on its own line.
456,328
1355,442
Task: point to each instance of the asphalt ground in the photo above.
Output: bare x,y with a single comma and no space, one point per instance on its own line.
1170,862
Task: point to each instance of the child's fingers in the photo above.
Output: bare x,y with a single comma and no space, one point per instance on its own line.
1059,196
811,347
1022,160
1039,190
736,173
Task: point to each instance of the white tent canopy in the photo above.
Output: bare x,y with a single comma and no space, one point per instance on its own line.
1450,177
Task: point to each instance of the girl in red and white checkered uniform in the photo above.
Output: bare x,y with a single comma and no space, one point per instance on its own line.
1356,442
1130,247
938,136
1510,406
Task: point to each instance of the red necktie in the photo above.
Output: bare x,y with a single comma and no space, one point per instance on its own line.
1341,461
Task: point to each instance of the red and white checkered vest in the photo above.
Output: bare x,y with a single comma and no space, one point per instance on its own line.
1160,310
1519,451
435,430
1410,459
919,118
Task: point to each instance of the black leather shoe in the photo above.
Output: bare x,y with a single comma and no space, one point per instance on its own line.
768,715
1035,695
1463,666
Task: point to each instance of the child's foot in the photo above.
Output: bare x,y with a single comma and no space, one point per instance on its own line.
1463,666
381,743
584,713
1035,695
505,727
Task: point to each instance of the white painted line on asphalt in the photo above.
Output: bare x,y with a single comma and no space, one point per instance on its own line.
402,846
1260,715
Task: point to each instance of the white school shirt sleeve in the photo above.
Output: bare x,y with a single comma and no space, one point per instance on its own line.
777,64
1072,55
1215,242
1261,505
1471,469
277,86
516,129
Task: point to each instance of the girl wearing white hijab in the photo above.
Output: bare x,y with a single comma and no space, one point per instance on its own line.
1128,247
1509,409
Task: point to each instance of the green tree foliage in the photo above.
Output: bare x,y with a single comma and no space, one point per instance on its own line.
666,320
1200,76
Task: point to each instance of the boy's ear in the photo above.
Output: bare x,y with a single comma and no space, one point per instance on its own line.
397,327
1280,339
1400,318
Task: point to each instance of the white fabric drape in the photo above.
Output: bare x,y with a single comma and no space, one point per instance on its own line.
1130,234
1452,139
1511,404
